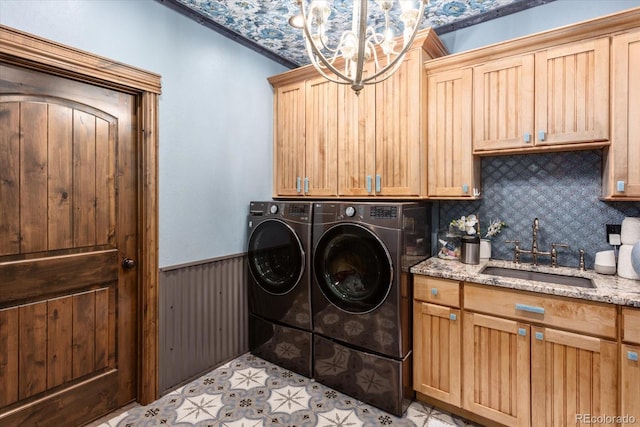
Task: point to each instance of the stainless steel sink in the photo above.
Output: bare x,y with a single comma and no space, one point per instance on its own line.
538,276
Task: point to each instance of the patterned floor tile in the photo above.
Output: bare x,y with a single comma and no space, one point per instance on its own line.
250,392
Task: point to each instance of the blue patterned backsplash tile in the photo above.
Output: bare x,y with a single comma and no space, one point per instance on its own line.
561,189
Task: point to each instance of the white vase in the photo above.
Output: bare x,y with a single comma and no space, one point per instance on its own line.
485,249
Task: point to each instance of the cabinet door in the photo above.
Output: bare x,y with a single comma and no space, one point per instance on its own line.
572,93
622,175
356,140
452,167
503,103
289,147
398,130
436,352
630,378
321,140
573,376
496,357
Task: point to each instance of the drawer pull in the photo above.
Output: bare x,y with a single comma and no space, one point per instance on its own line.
542,135
530,308
378,183
434,291
527,137
522,332
452,316
306,185
539,336
632,355
368,183
298,186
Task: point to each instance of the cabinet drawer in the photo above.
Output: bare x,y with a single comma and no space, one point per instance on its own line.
565,313
631,325
436,290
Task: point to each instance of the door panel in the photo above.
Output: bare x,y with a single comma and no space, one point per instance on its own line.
68,188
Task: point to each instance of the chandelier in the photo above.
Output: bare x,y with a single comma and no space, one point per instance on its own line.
365,41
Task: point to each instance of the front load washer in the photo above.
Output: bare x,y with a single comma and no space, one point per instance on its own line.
279,251
361,297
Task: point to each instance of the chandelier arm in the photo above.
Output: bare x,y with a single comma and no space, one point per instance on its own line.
314,60
357,84
315,53
395,63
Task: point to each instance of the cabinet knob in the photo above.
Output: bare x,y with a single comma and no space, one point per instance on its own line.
527,137
620,186
298,186
378,183
452,316
522,332
632,355
434,291
368,183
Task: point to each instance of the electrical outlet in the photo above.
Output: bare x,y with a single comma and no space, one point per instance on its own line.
613,234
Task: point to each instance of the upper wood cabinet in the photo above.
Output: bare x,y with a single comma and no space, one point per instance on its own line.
554,98
621,175
572,93
453,170
503,103
289,147
347,145
400,142
321,138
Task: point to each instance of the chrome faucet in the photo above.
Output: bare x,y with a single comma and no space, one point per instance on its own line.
535,252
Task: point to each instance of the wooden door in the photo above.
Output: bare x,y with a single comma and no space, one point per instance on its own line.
572,375
496,372
622,174
503,103
399,129
572,93
289,144
453,170
321,138
436,351
356,140
68,218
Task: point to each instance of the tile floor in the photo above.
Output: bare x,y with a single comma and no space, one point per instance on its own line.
250,392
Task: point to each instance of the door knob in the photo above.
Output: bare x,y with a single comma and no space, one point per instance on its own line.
128,263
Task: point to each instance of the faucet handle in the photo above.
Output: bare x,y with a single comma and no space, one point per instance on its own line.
516,250
581,265
554,252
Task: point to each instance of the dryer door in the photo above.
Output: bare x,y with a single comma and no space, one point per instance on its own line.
276,257
353,268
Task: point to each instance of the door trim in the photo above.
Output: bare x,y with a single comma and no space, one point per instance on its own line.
27,50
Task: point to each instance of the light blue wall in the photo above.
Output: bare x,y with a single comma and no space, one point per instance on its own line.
541,18
216,111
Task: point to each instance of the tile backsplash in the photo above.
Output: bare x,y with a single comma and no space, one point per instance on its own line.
561,189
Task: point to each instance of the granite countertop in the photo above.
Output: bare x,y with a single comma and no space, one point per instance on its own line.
608,289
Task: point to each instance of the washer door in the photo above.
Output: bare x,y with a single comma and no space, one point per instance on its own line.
276,257
353,268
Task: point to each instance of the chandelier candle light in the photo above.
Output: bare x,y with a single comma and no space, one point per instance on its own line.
358,44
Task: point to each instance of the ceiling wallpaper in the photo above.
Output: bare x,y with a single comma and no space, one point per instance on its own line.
263,25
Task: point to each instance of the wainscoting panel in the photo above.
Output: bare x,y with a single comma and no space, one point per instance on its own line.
203,318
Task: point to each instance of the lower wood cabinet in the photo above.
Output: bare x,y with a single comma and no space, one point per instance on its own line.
436,345
573,377
630,365
496,360
503,356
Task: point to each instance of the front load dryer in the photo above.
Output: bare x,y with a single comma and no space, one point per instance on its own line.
279,250
361,297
